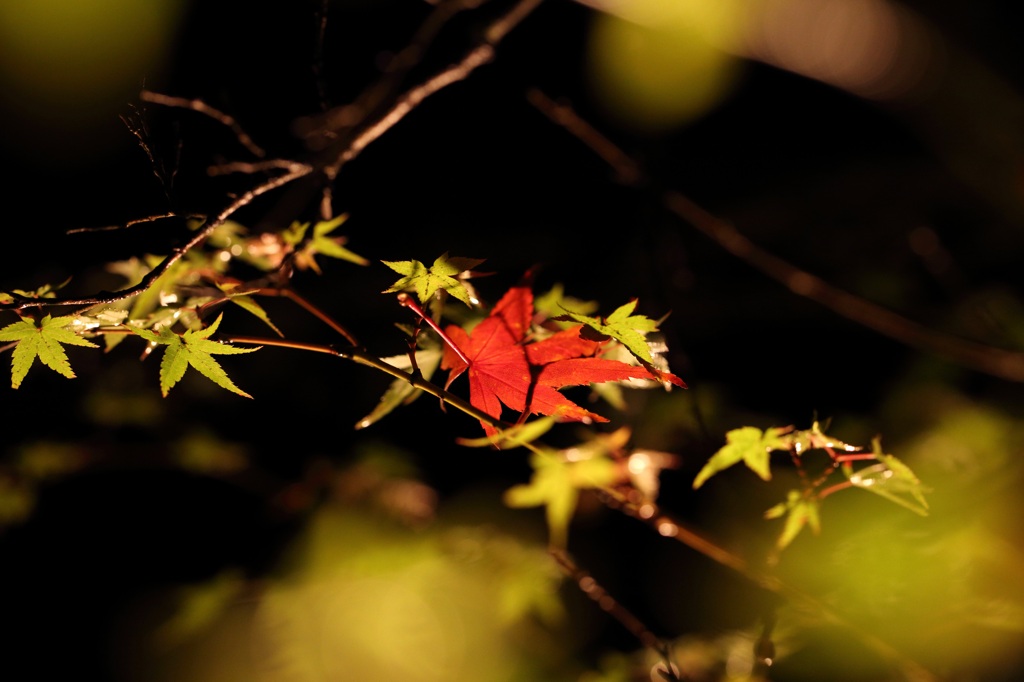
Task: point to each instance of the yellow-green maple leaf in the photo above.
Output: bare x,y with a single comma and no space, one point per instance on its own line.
320,243
622,325
747,444
439,276
194,348
556,485
43,341
800,511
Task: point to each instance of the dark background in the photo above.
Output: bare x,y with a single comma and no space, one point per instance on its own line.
833,183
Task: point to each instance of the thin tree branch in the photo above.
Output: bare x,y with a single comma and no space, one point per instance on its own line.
361,357
997,362
132,223
177,254
202,107
327,126
666,526
478,56
610,605
318,53
251,168
310,308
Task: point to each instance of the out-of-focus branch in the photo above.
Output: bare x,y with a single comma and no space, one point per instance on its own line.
481,54
319,130
475,58
202,107
668,527
997,362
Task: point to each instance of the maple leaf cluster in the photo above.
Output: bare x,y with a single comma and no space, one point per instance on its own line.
505,367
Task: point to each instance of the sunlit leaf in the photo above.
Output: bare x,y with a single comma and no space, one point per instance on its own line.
47,460
242,299
506,368
44,291
192,348
749,445
441,276
401,392
629,330
554,303
556,484
205,453
515,436
800,511
17,499
892,479
199,607
320,243
44,342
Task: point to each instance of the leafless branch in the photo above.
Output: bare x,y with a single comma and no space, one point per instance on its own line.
132,223
175,255
478,56
590,587
202,107
671,528
320,130
997,362
251,168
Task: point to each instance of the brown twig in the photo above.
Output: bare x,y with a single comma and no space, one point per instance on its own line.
361,357
175,255
328,124
251,168
202,107
475,58
666,526
590,587
141,134
998,362
132,223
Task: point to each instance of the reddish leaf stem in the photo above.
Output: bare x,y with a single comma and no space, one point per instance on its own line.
855,458
408,301
834,489
312,309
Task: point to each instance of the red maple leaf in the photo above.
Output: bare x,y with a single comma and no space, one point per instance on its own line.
505,368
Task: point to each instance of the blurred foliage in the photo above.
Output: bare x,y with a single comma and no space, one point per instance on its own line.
386,553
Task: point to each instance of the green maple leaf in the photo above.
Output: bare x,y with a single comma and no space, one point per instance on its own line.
512,437
556,484
44,342
622,325
554,302
438,277
800,511
320,243
747,444
194,348
401,392
242,299
891,479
